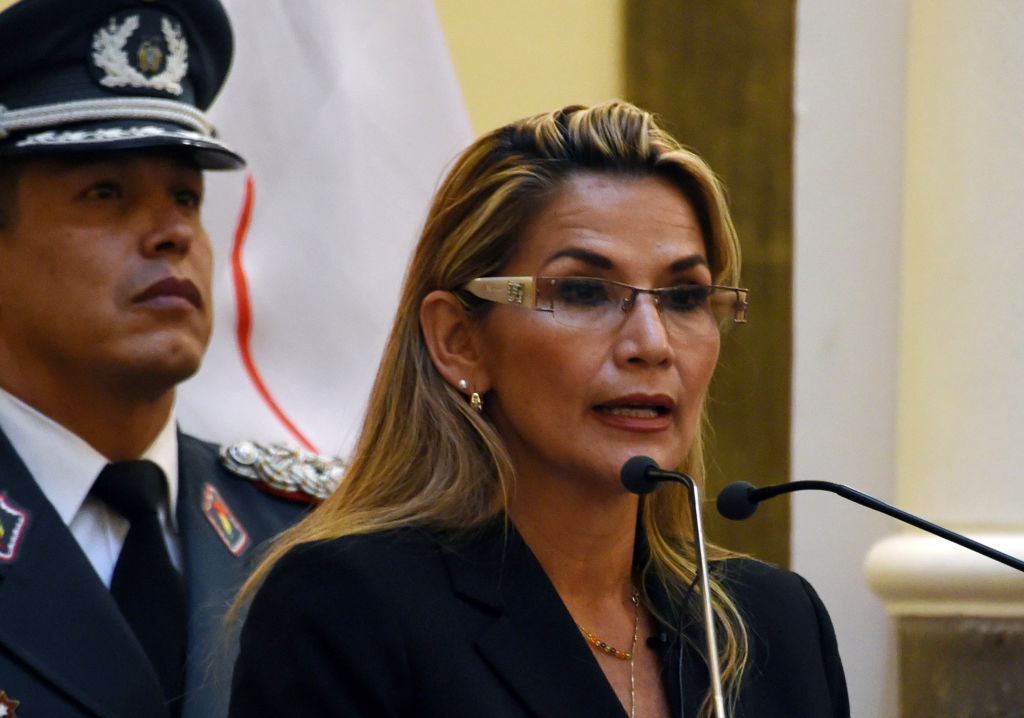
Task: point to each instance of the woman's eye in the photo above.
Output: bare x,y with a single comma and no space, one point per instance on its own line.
684,298
582,292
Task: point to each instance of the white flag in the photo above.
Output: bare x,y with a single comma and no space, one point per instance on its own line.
348,114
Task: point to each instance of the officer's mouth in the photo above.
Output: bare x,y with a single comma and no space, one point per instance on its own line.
171,291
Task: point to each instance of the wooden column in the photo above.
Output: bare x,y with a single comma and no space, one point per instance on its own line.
720,75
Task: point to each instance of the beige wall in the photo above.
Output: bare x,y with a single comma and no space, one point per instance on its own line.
518,57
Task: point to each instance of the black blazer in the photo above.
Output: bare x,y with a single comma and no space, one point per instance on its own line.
65,649
402,624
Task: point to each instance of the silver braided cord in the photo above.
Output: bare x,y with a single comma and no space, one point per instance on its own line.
121,108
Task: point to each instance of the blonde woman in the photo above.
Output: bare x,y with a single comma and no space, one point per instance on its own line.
561,314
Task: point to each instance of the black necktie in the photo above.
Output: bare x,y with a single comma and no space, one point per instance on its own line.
148,589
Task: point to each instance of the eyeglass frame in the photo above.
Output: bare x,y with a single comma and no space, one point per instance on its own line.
525,292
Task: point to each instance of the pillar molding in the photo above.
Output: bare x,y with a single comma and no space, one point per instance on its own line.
926,576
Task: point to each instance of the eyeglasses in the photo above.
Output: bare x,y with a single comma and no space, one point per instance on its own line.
602,304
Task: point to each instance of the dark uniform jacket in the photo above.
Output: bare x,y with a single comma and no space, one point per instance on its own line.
65,649
401,624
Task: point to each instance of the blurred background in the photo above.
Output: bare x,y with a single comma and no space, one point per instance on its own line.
872,152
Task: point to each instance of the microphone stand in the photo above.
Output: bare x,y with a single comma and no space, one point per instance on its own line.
739,500
641,475
705,583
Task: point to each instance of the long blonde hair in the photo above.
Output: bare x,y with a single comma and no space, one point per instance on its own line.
423,457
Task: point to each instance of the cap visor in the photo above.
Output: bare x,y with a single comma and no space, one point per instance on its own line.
208,152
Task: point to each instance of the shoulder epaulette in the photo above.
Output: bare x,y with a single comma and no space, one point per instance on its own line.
284,470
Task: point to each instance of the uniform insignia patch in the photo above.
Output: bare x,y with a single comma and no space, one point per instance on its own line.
223,520
12,528
8,706
156,62
284,470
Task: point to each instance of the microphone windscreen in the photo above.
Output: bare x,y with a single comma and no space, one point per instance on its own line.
734,501
634,475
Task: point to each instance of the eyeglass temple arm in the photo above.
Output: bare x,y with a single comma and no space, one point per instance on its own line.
504,290
740,302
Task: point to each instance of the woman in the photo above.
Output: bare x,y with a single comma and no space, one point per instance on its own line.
481,557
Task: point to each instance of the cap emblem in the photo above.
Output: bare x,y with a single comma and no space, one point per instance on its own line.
161,62
151,57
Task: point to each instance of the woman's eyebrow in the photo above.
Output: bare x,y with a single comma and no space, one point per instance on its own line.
584,255
602,262
695,260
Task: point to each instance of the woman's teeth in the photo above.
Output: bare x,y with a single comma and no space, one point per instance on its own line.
634,412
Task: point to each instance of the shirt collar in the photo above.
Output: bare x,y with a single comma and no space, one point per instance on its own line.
65,466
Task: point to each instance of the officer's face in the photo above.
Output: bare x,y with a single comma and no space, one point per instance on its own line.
104,275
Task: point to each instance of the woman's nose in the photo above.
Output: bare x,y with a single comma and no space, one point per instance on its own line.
644,336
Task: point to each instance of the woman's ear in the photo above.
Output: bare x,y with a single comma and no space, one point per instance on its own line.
453,339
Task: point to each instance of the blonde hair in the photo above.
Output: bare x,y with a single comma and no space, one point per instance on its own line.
425,458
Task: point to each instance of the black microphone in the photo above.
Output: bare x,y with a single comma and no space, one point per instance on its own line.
739,500
641,475
635,475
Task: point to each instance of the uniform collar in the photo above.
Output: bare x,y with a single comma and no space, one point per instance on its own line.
65,466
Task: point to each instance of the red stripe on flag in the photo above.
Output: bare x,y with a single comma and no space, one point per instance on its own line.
243,328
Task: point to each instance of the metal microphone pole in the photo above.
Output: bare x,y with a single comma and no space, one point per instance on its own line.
705,589
641,475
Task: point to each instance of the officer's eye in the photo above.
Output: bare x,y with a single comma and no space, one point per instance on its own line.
189,198
103,190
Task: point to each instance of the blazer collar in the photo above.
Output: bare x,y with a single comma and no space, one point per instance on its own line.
533,641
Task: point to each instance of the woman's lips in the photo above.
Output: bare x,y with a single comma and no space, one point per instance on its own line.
637,412
171,288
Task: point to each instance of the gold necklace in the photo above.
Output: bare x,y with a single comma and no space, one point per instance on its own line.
610,650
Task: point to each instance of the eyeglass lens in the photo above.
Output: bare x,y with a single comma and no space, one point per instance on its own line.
602,305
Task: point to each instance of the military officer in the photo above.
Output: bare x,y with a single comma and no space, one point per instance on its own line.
122,540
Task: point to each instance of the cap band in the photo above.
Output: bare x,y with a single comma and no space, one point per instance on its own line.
52,138
136,108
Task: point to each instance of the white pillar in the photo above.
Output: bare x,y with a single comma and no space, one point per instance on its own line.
848,222
960,456
960,441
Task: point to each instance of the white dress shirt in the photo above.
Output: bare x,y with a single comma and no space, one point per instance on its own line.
65,468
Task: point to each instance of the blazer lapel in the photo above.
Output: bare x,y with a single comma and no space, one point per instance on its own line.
533,642
57,616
